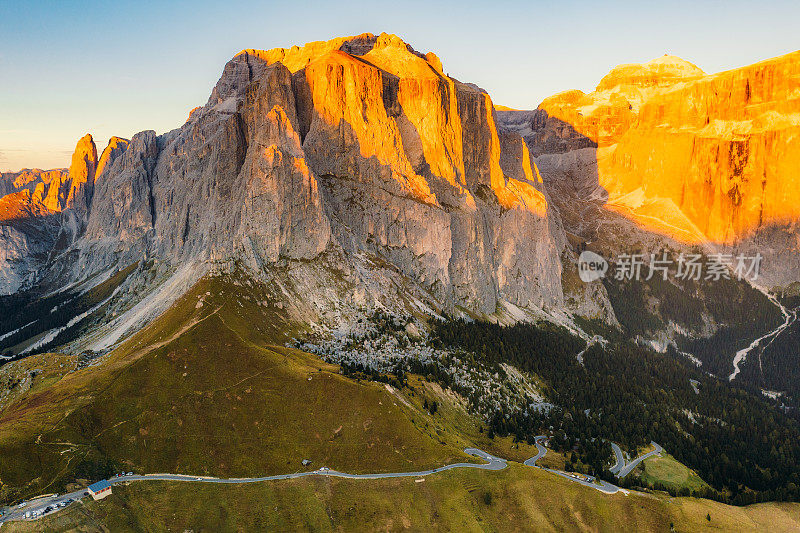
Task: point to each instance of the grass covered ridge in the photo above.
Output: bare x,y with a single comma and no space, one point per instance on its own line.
204,390
210,389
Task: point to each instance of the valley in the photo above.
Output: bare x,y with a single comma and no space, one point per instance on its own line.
741,355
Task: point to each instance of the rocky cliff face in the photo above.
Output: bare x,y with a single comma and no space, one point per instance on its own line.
410,166
353,174
356,154
703,159
42,212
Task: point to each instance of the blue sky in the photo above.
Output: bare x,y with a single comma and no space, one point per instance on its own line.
67,68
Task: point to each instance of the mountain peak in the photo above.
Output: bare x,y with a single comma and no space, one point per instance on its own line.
657,72
386,48
116,145
81,172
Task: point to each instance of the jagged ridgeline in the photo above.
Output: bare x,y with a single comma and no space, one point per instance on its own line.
357,163
333,152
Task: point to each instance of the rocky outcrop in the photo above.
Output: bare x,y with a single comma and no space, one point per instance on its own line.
116,146
81,176
123,208
703,159
28,233
358,154
57,190
42,213
281,192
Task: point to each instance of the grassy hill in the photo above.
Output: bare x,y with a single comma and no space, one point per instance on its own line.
518,498
666,472
205,390
210,389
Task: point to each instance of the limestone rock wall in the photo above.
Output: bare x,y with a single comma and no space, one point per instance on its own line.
704,159
355,148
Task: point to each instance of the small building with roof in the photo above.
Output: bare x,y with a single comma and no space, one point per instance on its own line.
100,490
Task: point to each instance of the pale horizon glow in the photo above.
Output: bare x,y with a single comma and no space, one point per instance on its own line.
71,68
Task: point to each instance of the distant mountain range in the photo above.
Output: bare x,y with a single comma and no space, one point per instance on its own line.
359,161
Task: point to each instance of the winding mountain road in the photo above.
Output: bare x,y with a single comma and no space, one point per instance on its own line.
619,457
40,504
625,470
37,506
541,451
492,463
586,481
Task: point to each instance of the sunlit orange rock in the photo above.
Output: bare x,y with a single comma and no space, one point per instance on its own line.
438,190
116,146
699,157
81,175
55,190
31,191
19,206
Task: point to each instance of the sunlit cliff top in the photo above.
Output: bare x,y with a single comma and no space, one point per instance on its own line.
386,51
662,70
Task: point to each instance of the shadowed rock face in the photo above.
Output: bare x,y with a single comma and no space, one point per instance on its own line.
43,212
699,158
357,147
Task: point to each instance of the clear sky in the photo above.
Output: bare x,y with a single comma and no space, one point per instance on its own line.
115,68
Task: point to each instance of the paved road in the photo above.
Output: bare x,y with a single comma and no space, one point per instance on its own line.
587,481
492,463
597,484
540,451
620,458
39,504
630,466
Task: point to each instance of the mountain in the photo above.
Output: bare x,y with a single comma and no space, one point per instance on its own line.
704,159
355,146
354,175
344,238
